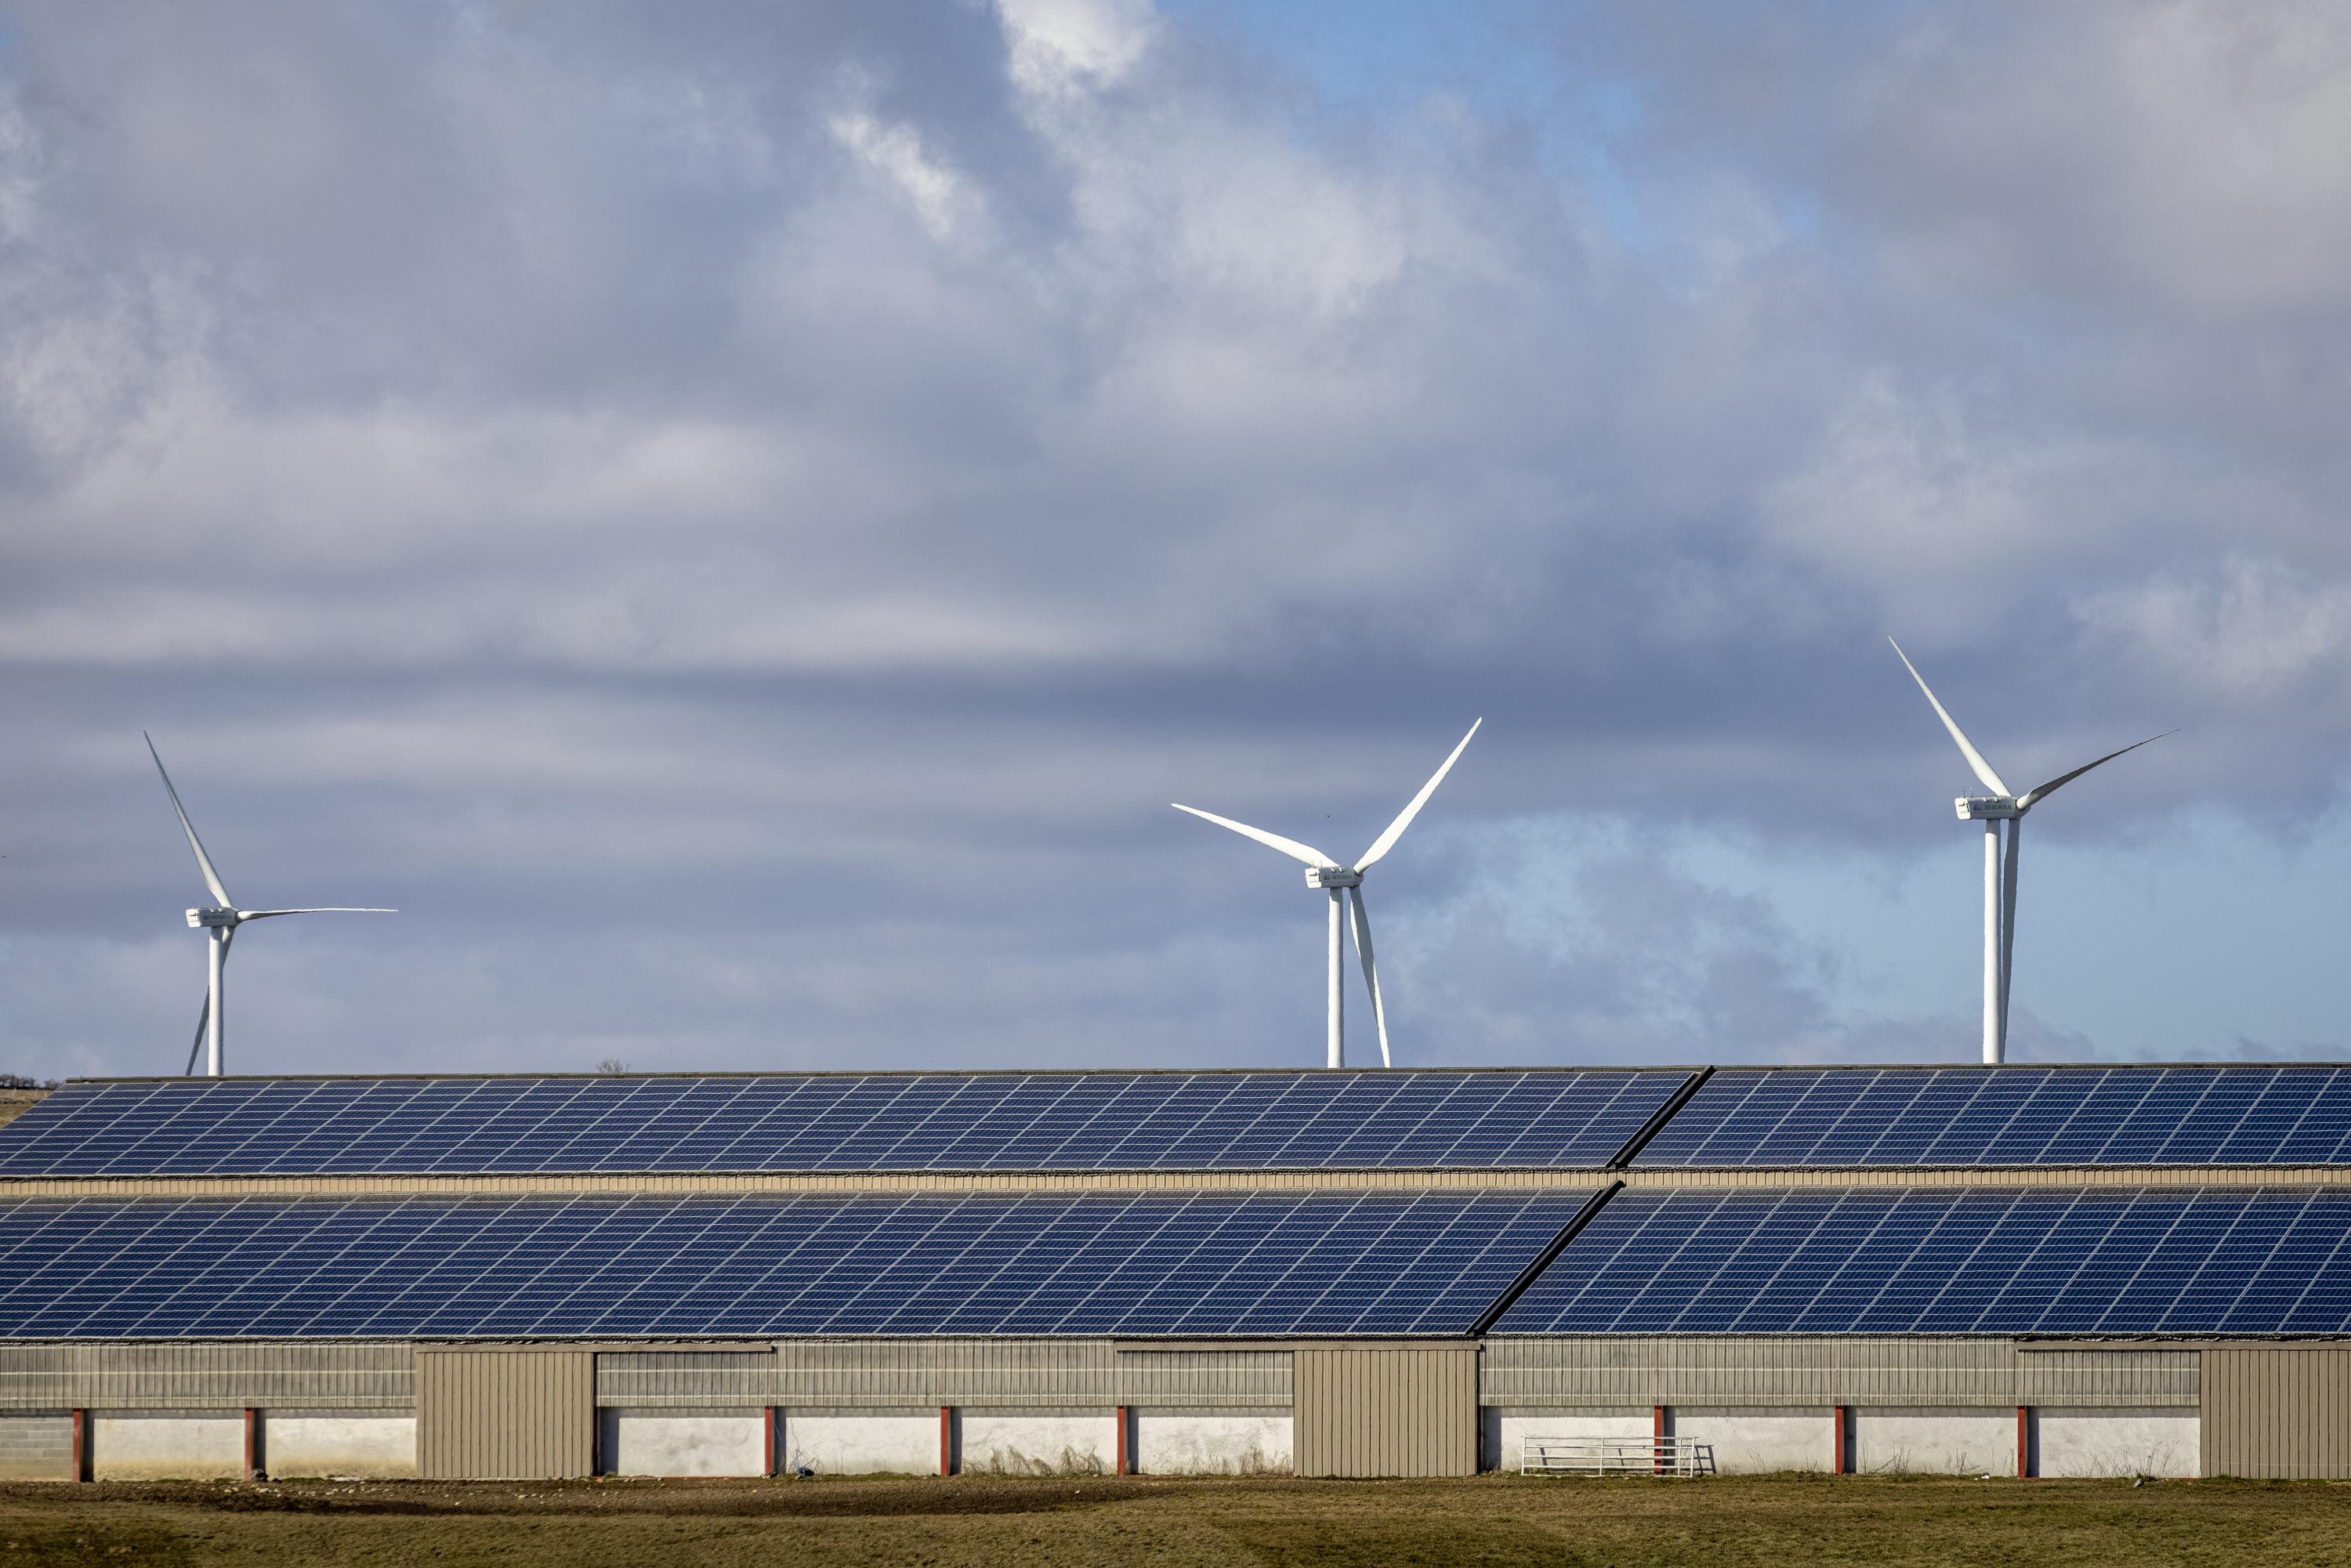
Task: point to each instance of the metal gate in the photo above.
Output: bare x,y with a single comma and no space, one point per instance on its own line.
505,1415
1405,1410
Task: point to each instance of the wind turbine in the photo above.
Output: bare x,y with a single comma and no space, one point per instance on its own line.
220,922
1345,884
2002,805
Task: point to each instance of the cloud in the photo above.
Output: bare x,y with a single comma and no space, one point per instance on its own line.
747,518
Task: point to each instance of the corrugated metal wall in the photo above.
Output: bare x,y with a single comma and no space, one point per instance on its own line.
1405,1411
846,1374
2278,1411
1205,1379
684,1379
207,1376
1634,1371
505,1415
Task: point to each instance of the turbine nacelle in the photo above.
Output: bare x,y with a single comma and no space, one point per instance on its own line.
1987,808
207,918
1344,884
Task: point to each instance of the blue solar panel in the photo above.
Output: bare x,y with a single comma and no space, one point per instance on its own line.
1977,1116
2084,1261
1561,1120
1155,1262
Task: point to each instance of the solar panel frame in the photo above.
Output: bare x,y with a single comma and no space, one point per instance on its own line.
2093,1260
2010,1117
1200,1262
1559,1119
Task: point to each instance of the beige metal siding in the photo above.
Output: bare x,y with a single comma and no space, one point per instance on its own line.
2277,1412
1205,1379
505,1415
207,1376
2108,1378
685,1379
887,1373
1634,1371
1387,1412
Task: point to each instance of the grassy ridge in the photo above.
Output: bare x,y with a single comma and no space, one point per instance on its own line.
1493,1522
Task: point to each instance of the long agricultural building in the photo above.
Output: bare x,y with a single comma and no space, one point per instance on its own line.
2011,1270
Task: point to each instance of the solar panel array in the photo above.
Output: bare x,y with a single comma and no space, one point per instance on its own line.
2086,1260
941,1121
1130,1263
1785,1117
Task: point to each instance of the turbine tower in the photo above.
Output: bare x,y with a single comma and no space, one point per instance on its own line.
1345,886
2002,805
219,921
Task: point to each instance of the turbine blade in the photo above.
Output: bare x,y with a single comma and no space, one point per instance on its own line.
1386,841
335,909
2025,801
1363,924
204,861
1984,772
1289,847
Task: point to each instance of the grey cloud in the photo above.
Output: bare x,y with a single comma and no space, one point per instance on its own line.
791,492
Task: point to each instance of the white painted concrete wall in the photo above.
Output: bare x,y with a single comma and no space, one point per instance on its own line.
1956,1442
861,1443
167,1447
1501,1432
1226,1443
682,1443
1038,1443
354,1447
2118,1442
1752,1442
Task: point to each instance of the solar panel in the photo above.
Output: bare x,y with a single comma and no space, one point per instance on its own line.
1977,1116
911,1121
1149,1262
2084,1261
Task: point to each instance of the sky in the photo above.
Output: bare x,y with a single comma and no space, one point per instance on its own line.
737,520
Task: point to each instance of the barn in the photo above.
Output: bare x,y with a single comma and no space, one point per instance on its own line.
2015,1270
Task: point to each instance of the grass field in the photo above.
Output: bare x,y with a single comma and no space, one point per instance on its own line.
1725,1522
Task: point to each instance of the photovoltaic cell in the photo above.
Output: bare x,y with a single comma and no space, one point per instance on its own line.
1978,1116
2087,1260
945,1122
1197,1263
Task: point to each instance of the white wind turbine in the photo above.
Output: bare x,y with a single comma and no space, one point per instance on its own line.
220,922
1345,883
2002,805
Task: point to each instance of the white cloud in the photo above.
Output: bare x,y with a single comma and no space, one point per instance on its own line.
1063,46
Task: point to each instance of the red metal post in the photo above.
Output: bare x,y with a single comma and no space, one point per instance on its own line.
1836,1449
1125,1466
252,1431
768,1444
2023,1441
81,1445
946,1440
1656,1437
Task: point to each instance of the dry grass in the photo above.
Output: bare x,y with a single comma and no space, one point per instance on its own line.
1495,1521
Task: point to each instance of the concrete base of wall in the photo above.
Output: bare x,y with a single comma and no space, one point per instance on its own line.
370,1445
861,1442
682,1442
37,1447
1953,1442
1759,1442
1212,1443
2117,1442
125,1447
1039,1442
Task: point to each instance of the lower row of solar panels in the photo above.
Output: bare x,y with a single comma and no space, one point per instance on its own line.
2097,1261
